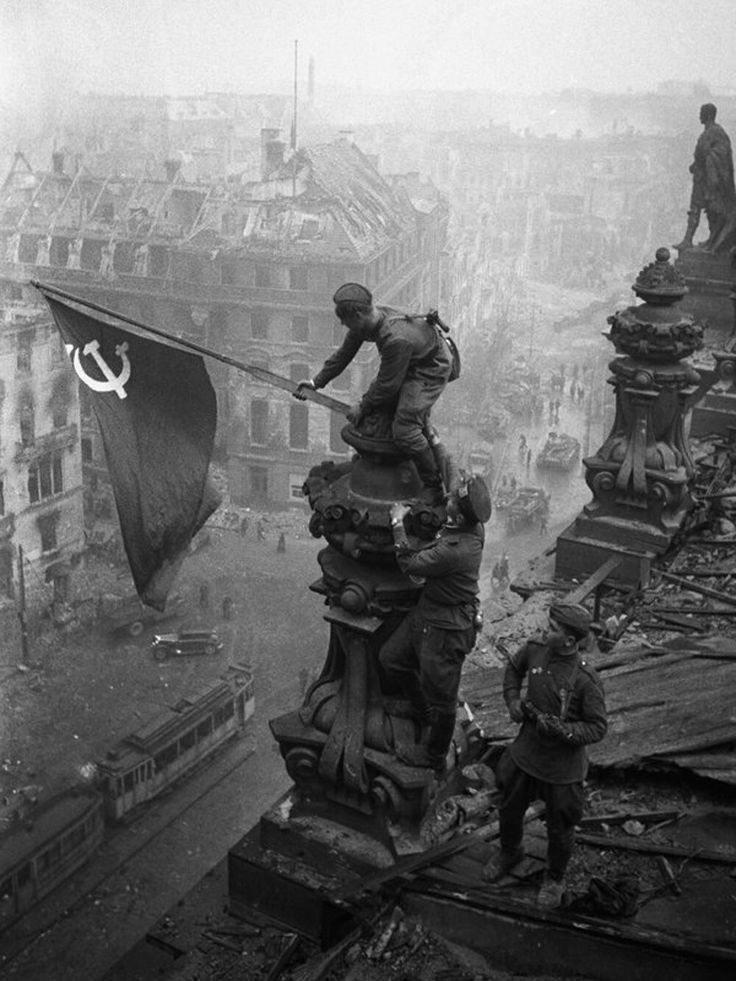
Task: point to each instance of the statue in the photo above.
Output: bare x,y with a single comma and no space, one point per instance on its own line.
713,184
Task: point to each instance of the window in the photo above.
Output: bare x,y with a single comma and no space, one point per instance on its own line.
259,421
298,279
258,484
336,426
298,427
86,449
47,527
27,423
263,277
300,329
296,485
45,478
128,783
204,728
188,740
259,324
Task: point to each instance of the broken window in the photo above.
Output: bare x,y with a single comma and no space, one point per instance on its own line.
27,422
25,346
298,279
258,484
298,427
45,478
259,421
259,324
300,329
47,524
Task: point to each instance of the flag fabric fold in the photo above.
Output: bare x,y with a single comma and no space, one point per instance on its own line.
157,414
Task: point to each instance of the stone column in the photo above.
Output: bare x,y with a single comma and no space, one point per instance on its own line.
640,476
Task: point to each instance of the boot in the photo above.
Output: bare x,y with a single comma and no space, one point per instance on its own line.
693,218
433,755
427,469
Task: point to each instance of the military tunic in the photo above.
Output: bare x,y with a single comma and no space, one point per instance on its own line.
414,370
436,635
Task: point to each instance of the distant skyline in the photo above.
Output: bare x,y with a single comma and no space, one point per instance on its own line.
52,48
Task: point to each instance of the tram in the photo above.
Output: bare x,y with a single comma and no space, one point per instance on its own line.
38,853
144,763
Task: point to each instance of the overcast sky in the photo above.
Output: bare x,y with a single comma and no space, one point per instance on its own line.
189,46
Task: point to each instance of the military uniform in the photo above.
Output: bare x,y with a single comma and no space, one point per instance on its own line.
549,765
425,654
415,368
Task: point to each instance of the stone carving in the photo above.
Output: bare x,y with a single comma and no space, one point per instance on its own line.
642,471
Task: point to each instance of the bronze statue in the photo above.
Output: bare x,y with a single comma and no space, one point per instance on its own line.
713,184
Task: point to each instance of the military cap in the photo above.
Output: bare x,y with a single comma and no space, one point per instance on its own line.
572,615
352,293
474,500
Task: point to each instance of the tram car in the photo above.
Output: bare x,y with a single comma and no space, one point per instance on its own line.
46,847
144,763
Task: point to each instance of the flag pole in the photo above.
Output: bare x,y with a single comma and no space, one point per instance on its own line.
263,374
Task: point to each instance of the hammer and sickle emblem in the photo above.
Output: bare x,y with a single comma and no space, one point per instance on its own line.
113,383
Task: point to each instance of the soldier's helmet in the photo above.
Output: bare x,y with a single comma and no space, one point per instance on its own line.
474,499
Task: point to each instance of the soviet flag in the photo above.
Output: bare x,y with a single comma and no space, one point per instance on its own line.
157,415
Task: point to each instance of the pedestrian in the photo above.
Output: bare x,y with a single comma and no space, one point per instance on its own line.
512,482
204,597
281,544
543,524
423,657
260,531
227,608
562,712
416,363
244,526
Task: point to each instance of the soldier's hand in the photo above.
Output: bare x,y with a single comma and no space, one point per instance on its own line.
550,725
398,511
355,414
302,387
515,710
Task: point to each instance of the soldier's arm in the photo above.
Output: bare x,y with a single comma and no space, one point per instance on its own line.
593,722
338,360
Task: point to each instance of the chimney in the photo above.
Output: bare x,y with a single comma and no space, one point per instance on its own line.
272,152
57,162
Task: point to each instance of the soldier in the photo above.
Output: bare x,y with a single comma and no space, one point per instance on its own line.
416,363
424,656
563,711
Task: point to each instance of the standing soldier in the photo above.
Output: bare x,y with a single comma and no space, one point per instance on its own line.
416,364
563,712
424,655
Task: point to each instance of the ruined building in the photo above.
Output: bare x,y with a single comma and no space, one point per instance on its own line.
247,269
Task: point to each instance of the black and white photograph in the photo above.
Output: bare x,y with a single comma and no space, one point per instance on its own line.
367,490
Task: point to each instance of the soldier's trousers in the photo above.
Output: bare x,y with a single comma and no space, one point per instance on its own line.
564,808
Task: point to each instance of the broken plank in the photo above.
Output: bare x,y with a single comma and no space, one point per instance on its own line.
595,579
653,848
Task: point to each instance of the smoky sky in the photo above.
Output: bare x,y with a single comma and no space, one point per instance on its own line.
49,47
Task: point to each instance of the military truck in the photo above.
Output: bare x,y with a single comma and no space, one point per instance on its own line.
560,452
126,615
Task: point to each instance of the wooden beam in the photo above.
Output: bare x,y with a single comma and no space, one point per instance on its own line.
600,575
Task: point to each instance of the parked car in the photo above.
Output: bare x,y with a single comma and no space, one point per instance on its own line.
185,642
127,615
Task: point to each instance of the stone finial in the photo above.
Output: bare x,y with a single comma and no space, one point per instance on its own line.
659,282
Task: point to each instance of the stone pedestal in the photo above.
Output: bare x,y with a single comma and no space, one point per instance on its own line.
640,476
